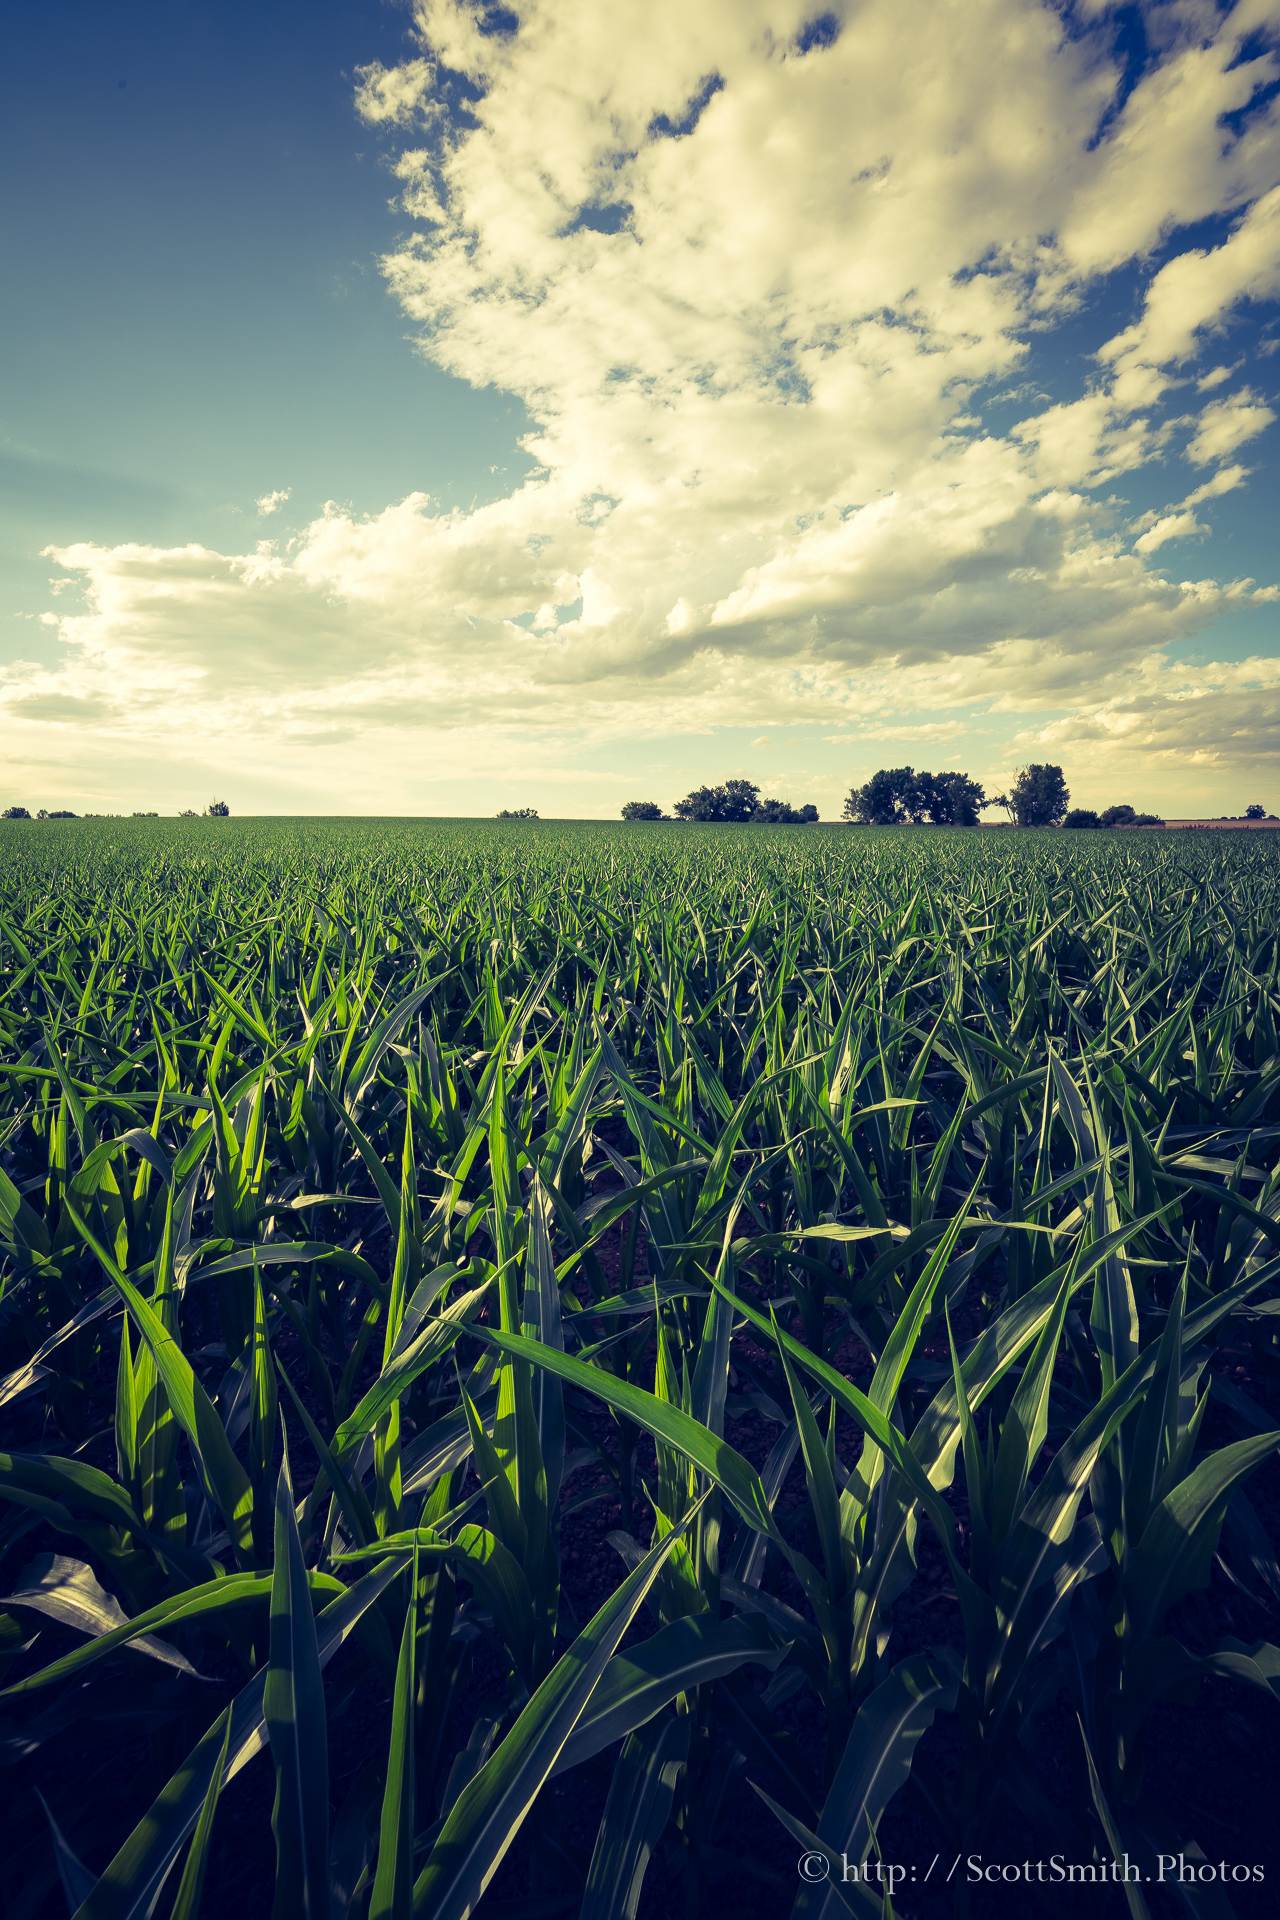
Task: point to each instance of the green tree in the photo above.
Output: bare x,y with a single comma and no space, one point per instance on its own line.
894,795
699,804
218,810
1083,817
1127,816
740,799
780,813
954,799
518,813
1255,812
1039,796
734,800
642,810
891,796
15,813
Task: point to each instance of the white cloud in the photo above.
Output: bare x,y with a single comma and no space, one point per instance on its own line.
1225,480
1197,289
1169,157
419,195
910,728
1225,425
1190,727
391,95
269,503
756,304
1170,526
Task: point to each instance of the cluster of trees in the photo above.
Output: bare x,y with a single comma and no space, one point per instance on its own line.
897,796
518,813
734,800
780,813
1039,797
903,796
216,810
1121,816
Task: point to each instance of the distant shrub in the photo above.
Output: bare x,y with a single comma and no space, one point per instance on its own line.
643,810
780,813
218,810
1083,817
518,813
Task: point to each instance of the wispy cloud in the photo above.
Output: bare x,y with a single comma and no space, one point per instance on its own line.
390,95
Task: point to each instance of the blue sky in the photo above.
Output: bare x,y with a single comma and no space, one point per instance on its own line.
199,316
352,458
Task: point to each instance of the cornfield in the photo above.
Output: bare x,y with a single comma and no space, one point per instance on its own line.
567,1369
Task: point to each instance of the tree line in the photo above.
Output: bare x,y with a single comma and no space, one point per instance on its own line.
1038,797
216,810
892,797
902,796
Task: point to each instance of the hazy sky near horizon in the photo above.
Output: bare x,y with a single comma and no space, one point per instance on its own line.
427,408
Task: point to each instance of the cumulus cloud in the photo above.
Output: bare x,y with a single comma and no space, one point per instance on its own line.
1169,526
757,290
1192,720
1197,289
1225,480
1227,424
269,503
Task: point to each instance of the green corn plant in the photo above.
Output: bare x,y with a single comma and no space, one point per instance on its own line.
740,1299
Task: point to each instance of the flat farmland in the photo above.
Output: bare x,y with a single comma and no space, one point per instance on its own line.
570,1368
